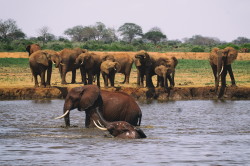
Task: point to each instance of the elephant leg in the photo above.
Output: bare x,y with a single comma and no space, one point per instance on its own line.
138,78
173,82
49,71
230,71
149,82
63,75
36,80
90,78
98,80
112,80
105,80
73,80
223,82
214,69
43,84
83,74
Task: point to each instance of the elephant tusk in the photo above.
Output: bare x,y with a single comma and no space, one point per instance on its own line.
62,64
221,70
81,63
100,123
53,62
62,115
101,128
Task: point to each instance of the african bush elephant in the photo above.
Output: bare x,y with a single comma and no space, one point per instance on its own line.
41,62
68,63
145,65
126,62
165,70
115,106
89,64
108,69
220,61
120,129
32,48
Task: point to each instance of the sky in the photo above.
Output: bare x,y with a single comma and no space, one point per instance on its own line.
178,19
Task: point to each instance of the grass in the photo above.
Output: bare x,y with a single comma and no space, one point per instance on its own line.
14,62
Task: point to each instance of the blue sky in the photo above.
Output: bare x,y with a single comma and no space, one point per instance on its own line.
224,19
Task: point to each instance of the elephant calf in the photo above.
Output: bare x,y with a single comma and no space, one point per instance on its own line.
120,129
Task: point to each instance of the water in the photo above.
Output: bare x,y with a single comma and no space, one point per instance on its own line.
179,133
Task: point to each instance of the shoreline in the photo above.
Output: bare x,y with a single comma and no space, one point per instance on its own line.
139,94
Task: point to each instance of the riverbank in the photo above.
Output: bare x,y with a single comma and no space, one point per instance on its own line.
140,94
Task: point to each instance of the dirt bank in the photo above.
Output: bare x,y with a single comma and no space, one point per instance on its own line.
140,94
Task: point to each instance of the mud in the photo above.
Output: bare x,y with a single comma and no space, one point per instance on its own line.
140,94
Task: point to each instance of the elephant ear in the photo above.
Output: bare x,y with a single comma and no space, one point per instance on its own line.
158,71
231,54
89,95
105,67
43,58
175,61
118,66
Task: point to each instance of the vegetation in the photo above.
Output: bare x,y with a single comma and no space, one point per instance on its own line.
98,37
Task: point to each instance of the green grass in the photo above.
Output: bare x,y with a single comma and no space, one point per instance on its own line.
14,62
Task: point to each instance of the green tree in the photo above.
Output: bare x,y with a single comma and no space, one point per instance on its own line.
155,35
130,31
75,33
9,31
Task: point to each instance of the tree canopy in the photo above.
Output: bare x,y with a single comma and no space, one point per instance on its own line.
155,35
130,30
9,30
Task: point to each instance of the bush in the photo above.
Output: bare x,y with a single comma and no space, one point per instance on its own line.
197,49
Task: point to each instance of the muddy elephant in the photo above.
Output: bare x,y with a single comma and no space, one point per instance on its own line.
145,65
89,65
119,129
68,63
108,69
41,62
220,61
115,106
165,70
32,48
126,62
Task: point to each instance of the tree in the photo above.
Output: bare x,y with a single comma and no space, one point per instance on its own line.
75,33
200,40
130,31
155,35
241,40
9,30
44,34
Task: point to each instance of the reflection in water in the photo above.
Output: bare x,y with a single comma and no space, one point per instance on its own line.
179,133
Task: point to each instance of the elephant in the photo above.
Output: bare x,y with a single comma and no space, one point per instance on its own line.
115,106
68,63
145,65
108,69
165,71
120,129
41,62
126,62
32,48
220,61
89,64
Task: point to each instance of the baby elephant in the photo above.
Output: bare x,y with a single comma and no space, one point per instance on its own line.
120,129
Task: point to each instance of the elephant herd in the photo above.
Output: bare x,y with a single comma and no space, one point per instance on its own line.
116,112
91,65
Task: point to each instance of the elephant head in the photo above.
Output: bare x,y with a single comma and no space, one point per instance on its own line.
109,66
85,59
120,129
85,98
32,48
53,56
142,58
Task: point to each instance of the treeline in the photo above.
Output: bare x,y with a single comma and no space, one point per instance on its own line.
98,37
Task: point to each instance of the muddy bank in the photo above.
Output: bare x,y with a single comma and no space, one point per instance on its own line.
140,94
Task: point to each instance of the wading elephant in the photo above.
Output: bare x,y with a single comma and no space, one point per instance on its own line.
165,70
89,64
115,106
41,62
126,62
68,63
108,69
119,129
145,65
220,61
32,48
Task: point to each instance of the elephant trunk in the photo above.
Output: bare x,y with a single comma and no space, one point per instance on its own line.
219,70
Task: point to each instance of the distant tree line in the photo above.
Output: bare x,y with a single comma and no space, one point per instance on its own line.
98,37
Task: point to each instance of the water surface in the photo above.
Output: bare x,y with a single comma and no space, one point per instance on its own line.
201,132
